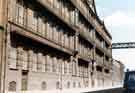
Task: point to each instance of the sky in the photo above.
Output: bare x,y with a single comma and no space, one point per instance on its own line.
119,18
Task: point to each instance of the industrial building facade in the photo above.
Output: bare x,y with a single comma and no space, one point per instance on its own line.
53,44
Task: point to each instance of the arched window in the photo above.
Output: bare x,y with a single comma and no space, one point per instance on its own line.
68,84
12,86
74,84
43,85
57,85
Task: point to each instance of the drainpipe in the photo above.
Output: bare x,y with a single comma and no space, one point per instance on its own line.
3,43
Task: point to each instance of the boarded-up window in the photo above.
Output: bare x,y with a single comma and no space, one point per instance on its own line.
44,85
74,84
68,84
79,84
12,86
57,85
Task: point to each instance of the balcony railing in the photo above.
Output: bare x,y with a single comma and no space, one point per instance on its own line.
69,47
108,52
100,46
87,35
87,56
99,60
60,10
107,64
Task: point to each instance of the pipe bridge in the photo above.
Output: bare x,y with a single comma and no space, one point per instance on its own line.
123,45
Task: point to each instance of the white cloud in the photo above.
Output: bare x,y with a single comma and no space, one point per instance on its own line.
120,18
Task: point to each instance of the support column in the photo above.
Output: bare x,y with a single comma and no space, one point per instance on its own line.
3,24
89,73
93,73
76,53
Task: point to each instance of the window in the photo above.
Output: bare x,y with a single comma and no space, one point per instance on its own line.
34,67
30,59
57,85
19,12
62,37
79,85
76,17
66,40
70,67
65,66
20,55
47,63
86,83
51,31
24,83
54,63
74,84
72,17
43,63
32,19
12,58
11,9
56,33
59,66
39,61
44,85
51,63
12,86
41,26
68,84
25,60
74,68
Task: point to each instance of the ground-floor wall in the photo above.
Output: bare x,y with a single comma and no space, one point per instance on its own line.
44,68
16,81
